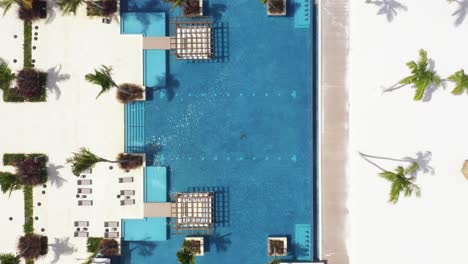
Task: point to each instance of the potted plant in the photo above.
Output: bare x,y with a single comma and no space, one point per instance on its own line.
195,245
190,8
277,246
275,7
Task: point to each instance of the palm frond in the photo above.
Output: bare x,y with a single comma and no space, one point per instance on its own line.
6,5
6,76
461,82
69,6
83,160
101,77
412,168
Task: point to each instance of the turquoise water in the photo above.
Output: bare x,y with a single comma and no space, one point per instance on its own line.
155,184
148,229
242,127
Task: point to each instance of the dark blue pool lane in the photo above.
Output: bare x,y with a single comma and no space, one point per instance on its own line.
242,127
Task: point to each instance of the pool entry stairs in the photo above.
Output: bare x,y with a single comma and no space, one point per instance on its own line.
302,237
135,127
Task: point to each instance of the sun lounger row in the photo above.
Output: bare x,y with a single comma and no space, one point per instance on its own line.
127,192
111,234
81,223
85,182
127,202
85,202
85,190
125,179
111,224
81,234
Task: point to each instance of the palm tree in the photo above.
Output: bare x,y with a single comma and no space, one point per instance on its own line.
103,78
461,82
84,160
186,255
421,77
9,182
7,4
6,76
401,179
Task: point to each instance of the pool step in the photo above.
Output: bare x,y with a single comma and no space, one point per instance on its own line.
302,240
303,12
135,127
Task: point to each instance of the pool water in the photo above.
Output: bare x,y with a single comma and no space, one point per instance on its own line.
241,126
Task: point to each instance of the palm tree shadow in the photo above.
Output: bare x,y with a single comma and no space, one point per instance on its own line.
51,14
422,159
54,175
53,78
170,84
461,12
389,8
144,248
221,242
61,246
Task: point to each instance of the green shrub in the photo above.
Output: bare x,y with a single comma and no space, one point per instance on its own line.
93,244
28,210
9,259
9,159
29,261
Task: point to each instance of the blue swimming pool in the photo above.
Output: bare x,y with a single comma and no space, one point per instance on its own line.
242,127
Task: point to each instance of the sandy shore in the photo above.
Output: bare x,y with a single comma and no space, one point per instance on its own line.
431,229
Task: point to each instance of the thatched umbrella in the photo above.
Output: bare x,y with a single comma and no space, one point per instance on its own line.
465,169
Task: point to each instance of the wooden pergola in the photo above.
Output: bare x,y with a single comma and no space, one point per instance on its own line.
191,38
193,212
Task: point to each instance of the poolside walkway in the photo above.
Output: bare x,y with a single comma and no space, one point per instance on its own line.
159,43
334,129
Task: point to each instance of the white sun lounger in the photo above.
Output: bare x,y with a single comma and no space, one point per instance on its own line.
111,235
81,234
81,223
85,202
125,179
111,224
127,202
85,190
127,192
85,182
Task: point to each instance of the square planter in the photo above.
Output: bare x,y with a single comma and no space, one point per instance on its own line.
194,13
271,10
283,240
200,240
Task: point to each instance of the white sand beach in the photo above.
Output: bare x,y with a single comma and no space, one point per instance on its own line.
433,228
68,48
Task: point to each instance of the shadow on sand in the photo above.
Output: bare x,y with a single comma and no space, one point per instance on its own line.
388,8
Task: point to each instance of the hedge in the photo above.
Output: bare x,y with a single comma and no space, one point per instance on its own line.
28,226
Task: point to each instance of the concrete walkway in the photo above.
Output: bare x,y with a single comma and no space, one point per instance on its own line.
158,43
334,129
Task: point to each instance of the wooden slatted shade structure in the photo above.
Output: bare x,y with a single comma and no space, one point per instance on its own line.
193,213
191,38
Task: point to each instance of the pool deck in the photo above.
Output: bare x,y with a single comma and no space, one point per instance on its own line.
71,118
333,27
